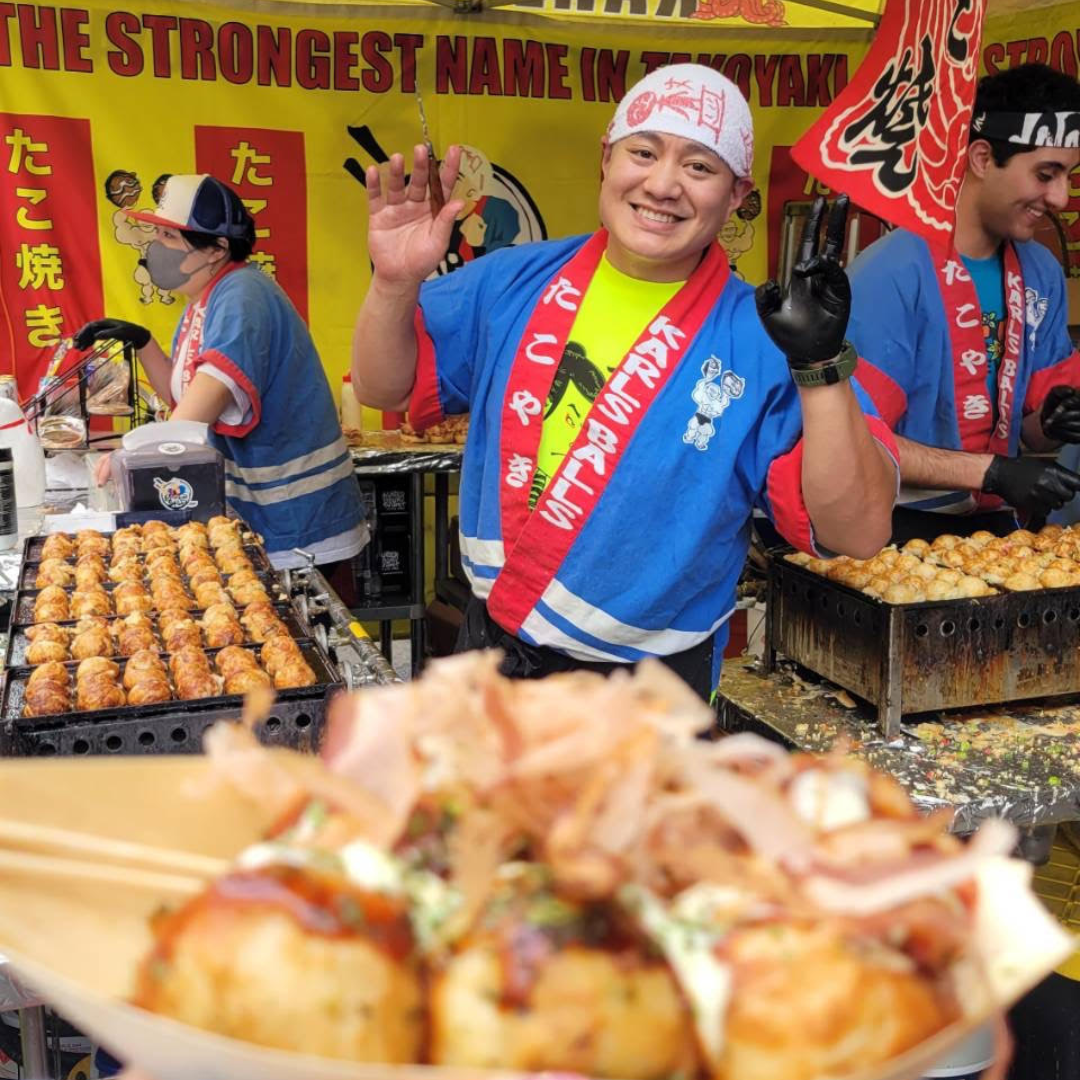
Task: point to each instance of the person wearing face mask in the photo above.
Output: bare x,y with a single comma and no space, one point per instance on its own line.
968,354
629,408
243,362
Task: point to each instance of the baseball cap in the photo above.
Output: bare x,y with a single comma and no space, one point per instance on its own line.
694,102
200,203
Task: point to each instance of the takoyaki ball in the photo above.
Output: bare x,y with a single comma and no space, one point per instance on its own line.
57,546
54,612
41,652
916,546
182,635
189,658
277,651
907,562
149,691
855,578
155,525
210,594
169,595
1055,579
87,576
260,609
1070,566
225,965
162,561
249,593
981,537
46,699
586,995
294,673
193,558
1053,531
90,602
1021,582
949,574
1022,537
230,560
129,532
99,692
969,585
142,666
133,639
168,616
93,642
224,610
876,586
799,558
902,594
945,542
51,594
997,572
941,590
925,571
136,618
913,581
248,679
1030,566
244,577
126,569
48,632
133,602
197,684
205,575
951,557
96,665
856,1010
54,572
97,561
158,541
223,632
52,671
191,536
92,545
232,659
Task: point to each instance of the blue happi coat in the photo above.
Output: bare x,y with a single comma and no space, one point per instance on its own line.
654,569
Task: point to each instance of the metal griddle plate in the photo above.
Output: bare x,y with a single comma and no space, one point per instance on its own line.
910,658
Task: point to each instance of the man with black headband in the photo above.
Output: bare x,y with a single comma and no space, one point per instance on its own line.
971,359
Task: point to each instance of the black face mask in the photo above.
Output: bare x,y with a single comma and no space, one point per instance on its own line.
163,265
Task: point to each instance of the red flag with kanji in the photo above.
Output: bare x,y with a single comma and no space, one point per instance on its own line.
895,138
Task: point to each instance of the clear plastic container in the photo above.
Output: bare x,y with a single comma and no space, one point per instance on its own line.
352,412
171,475
26,450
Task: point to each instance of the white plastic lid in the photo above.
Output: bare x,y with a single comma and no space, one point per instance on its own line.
184,431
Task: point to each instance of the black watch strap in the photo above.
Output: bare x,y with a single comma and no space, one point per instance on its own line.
831,372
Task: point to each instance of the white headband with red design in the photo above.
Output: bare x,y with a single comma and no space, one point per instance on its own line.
693,102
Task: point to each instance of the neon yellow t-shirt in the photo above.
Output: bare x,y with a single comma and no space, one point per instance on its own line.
614,311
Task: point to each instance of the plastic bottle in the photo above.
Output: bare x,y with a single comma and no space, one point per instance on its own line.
26,450
352,412
9,518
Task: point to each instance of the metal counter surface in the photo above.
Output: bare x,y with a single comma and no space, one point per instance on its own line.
1020,762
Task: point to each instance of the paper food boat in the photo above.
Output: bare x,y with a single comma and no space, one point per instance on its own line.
78,943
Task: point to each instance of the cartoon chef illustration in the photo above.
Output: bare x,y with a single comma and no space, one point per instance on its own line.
123,189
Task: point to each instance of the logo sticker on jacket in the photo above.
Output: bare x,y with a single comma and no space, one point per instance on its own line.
712,394
1036,306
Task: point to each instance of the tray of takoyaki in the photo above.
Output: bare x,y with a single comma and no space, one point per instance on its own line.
504,878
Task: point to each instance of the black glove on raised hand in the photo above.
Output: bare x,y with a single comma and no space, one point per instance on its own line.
1060,414
809,322
1035,485
111,330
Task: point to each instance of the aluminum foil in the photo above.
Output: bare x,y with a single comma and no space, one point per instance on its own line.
1020,762
421,459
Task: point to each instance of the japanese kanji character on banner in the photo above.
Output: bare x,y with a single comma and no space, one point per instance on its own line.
894,139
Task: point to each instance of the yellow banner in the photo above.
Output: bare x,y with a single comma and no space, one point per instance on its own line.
291,103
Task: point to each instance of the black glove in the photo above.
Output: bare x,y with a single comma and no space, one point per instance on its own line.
1060,414
808,324
111,330
1034,485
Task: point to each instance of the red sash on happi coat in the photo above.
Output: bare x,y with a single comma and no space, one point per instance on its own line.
979,432
537,543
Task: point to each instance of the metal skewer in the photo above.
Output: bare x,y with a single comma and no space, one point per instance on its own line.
435,190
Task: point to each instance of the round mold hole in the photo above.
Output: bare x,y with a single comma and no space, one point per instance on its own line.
922,630
999,622
302,720
1050,617
841,610
948,628
857,618
1074,614
114,744
1023,620
272,723
974,625
46,749
80,746
147,738
178,735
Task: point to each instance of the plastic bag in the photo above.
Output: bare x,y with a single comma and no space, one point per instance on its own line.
107,388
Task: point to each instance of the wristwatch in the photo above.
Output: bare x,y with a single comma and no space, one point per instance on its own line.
830,372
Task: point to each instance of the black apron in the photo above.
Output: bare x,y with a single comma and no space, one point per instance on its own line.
524,661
